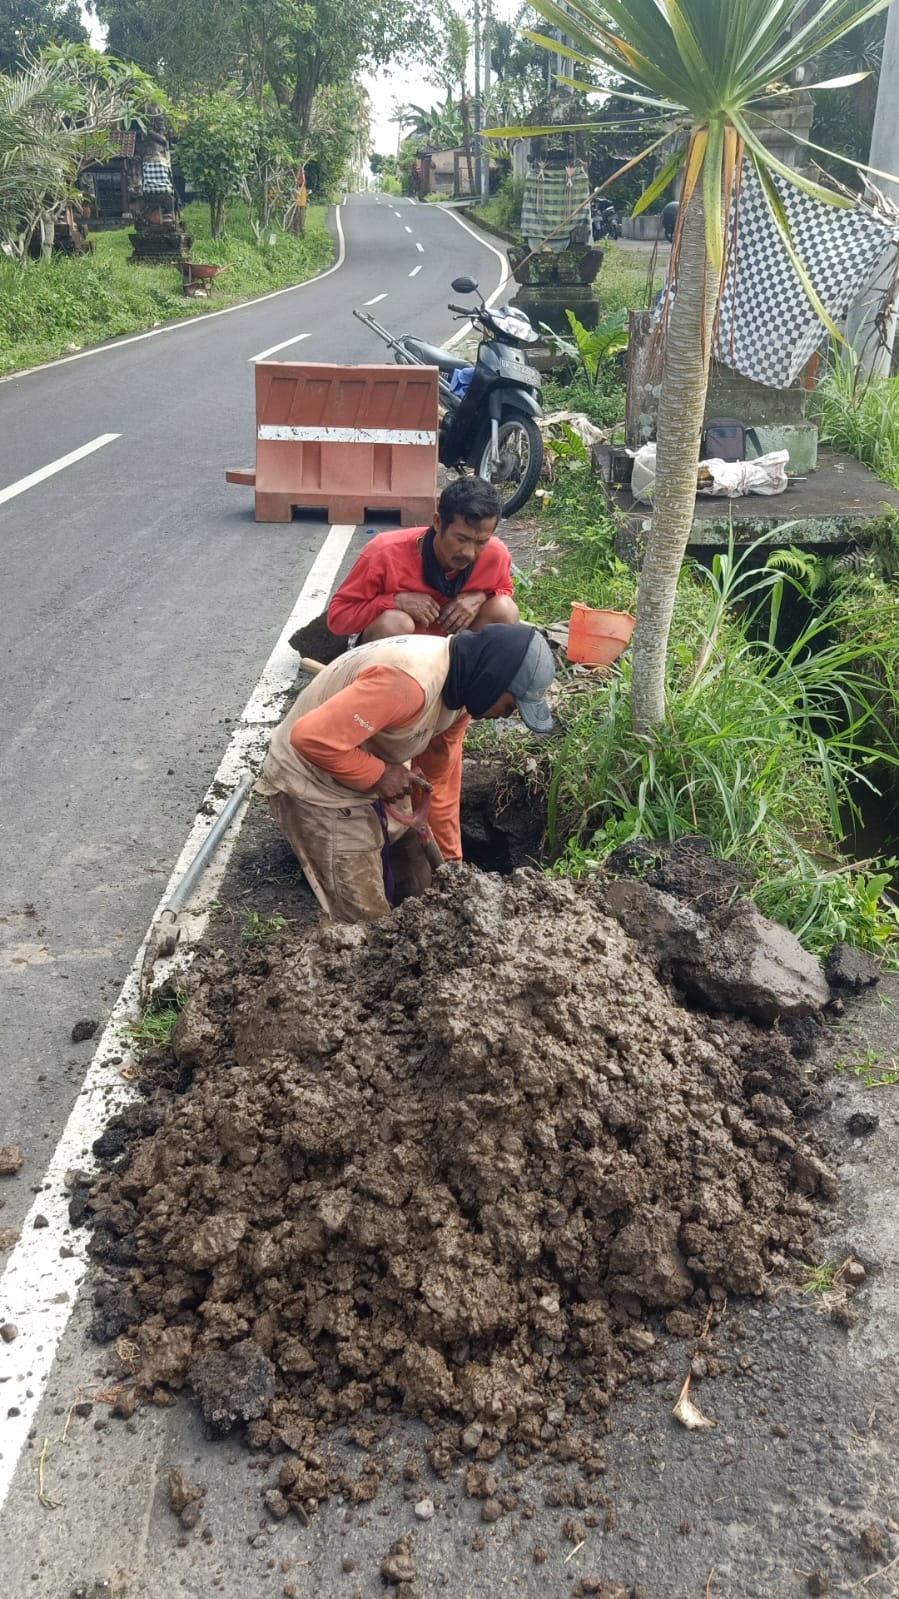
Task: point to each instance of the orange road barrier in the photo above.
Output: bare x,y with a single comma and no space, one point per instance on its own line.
352,439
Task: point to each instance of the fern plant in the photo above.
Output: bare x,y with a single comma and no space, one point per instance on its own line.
592,348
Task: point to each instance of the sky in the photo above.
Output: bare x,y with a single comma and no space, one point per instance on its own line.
412,86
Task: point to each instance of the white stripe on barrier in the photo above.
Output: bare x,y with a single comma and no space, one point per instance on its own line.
345,435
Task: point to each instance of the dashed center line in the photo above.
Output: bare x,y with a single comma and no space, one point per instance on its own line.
415,271
273,348
377,299
419,247
53,467
408,229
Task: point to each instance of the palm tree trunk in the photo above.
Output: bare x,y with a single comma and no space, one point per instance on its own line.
685,381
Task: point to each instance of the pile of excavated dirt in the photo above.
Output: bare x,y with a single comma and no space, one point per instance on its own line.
448,1161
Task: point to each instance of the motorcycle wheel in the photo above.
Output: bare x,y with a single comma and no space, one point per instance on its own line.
517,472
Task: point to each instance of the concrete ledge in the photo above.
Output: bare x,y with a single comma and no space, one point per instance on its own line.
838,504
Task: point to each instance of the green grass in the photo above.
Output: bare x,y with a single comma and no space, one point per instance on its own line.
258,929
861,417
154,1029
48,309
819,1279
874,1068
628,280
762,749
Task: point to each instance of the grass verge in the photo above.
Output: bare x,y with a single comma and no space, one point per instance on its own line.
763,748
49,309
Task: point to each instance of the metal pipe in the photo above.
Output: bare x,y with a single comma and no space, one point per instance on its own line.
210,844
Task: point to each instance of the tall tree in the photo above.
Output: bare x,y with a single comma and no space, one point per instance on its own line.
290,48
705,65
28,26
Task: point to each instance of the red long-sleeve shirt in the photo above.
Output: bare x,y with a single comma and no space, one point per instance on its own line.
390,565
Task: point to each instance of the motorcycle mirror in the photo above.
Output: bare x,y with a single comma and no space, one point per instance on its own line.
464,286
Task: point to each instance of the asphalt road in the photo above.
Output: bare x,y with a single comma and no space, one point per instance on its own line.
139,600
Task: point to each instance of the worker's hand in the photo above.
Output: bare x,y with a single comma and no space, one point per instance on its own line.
395,783
422,608
461,612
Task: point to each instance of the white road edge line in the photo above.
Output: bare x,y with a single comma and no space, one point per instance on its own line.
466,327
377,299
53,467
419,247
415,271
191,322
274,348
39,1285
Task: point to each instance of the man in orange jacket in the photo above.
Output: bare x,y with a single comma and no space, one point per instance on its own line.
343,750
442,579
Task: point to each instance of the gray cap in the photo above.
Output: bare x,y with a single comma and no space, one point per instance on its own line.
530,683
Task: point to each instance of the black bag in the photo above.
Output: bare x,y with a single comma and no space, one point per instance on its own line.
725,439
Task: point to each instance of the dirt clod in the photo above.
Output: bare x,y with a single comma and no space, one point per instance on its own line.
85,1028
438,1163
9,1331
185,1500
818,1583
870,1542
12,1159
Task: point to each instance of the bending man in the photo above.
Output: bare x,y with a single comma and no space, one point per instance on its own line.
342,750
442,579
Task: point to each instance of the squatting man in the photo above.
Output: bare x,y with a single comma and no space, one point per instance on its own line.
344,750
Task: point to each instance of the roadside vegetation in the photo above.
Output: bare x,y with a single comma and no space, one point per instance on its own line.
767,742
53,308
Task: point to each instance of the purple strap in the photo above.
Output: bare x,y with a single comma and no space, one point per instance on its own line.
389,884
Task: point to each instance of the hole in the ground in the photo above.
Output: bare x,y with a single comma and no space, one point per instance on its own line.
503,821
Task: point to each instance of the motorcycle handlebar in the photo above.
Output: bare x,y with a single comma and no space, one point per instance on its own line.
465,310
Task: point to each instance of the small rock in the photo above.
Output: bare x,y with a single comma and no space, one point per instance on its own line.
779,1430
424,1510
126,1404
347,1564
9,1237
491,1510
854,1273
12,1159
541,1554
9,1331
870,1542
41,1221
83,1029
818,1582
276,1503
399,1566
850,968
861,1124
471,1437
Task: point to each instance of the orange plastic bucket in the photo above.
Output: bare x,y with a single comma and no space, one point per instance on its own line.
597,638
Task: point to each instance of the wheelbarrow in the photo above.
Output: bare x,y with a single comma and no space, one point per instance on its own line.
195,276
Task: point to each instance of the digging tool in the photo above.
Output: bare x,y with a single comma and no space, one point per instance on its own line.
162,939
416,819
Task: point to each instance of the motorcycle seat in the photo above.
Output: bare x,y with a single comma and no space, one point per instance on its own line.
432,355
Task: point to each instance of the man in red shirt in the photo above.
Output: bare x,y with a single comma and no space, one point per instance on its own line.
444,579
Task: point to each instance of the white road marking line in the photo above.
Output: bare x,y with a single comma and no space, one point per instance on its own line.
38,1287
377,299
419,247
191,322
466,327
408,229
395,212
285,344
415,271
55,466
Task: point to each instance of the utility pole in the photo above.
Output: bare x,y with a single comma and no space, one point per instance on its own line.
871,324
485,150
478,140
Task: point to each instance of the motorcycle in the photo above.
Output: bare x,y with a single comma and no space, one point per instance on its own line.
490,410
606,224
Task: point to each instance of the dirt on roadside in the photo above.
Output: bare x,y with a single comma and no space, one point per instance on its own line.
449,1162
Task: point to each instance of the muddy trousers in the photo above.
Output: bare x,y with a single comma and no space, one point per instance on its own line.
341,853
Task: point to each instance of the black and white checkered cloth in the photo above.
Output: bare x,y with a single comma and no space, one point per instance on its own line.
157,177
767,328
